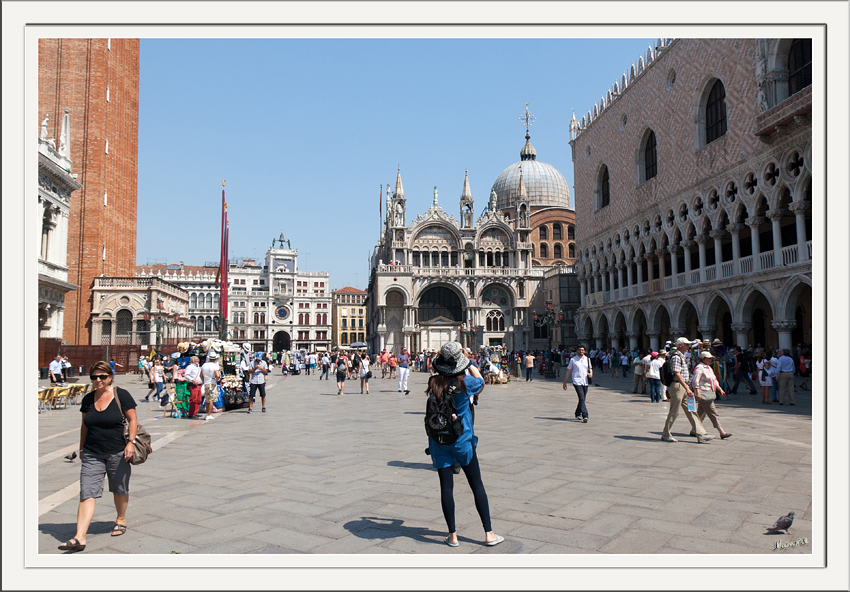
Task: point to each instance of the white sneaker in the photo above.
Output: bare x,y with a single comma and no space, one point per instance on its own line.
704,438
669,439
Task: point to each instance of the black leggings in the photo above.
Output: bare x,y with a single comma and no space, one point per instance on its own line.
473,476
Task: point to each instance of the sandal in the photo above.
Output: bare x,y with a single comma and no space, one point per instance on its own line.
72,545
450,544
498,540
119,529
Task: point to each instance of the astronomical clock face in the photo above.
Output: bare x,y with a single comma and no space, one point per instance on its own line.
282,313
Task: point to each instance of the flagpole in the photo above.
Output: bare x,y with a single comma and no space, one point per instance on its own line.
222,275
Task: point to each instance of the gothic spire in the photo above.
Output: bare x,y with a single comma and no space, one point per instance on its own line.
467,192
399,190
523,194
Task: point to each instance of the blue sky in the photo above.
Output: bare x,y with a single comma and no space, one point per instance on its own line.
306,131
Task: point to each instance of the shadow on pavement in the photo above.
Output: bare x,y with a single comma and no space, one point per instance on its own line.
65,530
407,465
554,418
414,413
370,527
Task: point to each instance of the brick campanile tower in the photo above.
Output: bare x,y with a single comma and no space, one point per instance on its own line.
97,81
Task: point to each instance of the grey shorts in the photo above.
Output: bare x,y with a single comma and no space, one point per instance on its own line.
95,466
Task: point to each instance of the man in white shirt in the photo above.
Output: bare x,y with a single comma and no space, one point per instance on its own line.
774,363
638,384
55,370
210,374
259,369
580,370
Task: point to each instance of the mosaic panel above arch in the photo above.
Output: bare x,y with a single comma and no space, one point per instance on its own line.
496,296
435,235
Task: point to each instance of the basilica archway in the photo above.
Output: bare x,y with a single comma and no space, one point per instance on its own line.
282,341
441,313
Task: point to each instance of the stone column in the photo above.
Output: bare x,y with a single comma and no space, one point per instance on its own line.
598,338
650,268
800,208
700,239
686,246
582,339
784,329
653,341
735,230
582,282
610,278
639,261
775,216
707,332
603,281
742,331
620,267
615,343
718,250
596,281
629,277
632,339
674,264
754,222
676,332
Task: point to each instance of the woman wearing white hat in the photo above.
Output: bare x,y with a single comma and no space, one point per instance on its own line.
706,384
449,381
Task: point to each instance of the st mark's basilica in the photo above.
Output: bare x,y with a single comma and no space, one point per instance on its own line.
437,278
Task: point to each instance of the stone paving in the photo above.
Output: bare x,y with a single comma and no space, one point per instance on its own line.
321,473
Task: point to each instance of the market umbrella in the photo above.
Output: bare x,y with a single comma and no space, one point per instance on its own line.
357,345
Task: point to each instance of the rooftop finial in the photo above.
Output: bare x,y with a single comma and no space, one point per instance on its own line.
528,119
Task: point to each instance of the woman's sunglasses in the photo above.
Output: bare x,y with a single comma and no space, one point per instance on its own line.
99,377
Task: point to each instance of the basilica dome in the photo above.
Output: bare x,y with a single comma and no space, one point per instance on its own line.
544,184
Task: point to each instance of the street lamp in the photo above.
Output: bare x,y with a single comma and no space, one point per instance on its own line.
548,318
160,320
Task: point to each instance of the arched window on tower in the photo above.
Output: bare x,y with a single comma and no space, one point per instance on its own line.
571,232
557,231
544,233
209,301
715,112
557,251
799,65
572,251
193,300
544,251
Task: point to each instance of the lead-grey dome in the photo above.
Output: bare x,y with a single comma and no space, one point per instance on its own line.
544,184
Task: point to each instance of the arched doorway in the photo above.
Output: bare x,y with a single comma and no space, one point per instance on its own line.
282,341
123,327
440,314
639,326
688,320
720,317
394,321
758,311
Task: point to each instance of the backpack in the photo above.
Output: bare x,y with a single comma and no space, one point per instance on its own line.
441,421
666,374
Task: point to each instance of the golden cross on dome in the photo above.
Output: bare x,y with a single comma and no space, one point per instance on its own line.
527,118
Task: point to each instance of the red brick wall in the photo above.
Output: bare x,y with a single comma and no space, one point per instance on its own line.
74,75
543,216
671,114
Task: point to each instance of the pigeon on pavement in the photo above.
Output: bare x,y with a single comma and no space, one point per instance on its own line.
783,523
71,457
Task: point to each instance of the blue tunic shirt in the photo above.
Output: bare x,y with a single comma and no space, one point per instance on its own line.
443,456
